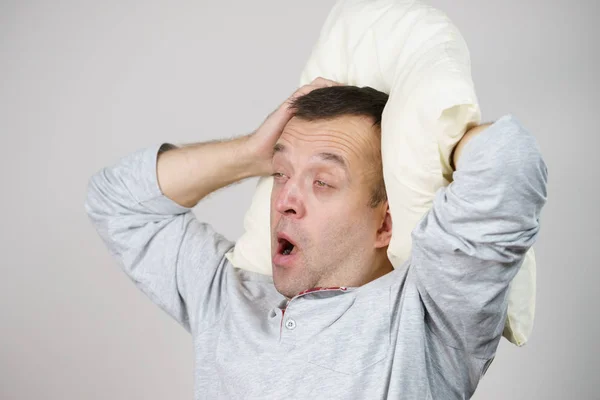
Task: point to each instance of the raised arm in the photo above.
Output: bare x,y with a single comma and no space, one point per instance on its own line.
170,256
188,173
469,246
470,134
141,207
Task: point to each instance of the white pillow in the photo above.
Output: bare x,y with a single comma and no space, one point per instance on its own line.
414,53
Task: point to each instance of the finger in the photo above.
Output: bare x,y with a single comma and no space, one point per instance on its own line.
278,118
323,82
317,83
306,89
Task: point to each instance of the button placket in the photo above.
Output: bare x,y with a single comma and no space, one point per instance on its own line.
290,323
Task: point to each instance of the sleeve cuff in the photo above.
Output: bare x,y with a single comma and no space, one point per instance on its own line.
481,142
150,195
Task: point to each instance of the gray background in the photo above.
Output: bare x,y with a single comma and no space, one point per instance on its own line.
83,83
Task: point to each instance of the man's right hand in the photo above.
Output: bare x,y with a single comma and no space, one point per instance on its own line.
189,173
261,142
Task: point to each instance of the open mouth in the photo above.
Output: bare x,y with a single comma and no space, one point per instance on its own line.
286,247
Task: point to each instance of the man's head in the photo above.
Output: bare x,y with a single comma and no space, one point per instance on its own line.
328,194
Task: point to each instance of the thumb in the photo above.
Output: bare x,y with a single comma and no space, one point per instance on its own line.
277,120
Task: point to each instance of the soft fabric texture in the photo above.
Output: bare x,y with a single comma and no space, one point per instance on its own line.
426,331
415,54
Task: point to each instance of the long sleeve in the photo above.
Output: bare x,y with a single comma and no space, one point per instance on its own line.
176,260
470,244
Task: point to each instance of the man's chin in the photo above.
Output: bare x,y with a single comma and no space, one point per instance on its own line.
285,291
284,285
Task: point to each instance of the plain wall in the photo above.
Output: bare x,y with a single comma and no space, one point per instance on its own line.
83,83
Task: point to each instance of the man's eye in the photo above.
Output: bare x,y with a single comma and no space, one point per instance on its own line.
321,184
277,174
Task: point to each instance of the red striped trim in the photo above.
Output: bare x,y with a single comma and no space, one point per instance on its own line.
317,289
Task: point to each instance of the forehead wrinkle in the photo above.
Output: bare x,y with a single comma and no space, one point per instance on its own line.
327,139
325,157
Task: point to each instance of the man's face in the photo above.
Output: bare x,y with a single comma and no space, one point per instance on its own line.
324,174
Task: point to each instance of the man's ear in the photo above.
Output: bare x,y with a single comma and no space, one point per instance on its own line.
384,233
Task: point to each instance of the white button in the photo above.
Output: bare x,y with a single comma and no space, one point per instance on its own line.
290,323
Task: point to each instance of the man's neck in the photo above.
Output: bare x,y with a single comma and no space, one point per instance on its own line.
384,269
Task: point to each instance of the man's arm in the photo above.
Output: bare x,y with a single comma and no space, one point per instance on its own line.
176,260
188,173
470,244
142,209
470,134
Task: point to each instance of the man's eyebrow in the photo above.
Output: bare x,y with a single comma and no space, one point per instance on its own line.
332,157
335,158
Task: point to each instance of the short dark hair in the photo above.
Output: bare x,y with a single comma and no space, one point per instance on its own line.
336,101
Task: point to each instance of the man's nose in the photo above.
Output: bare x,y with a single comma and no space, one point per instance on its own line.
289,200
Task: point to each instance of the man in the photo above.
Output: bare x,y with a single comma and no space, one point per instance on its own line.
335,321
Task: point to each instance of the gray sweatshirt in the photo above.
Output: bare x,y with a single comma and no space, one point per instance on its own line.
428,330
